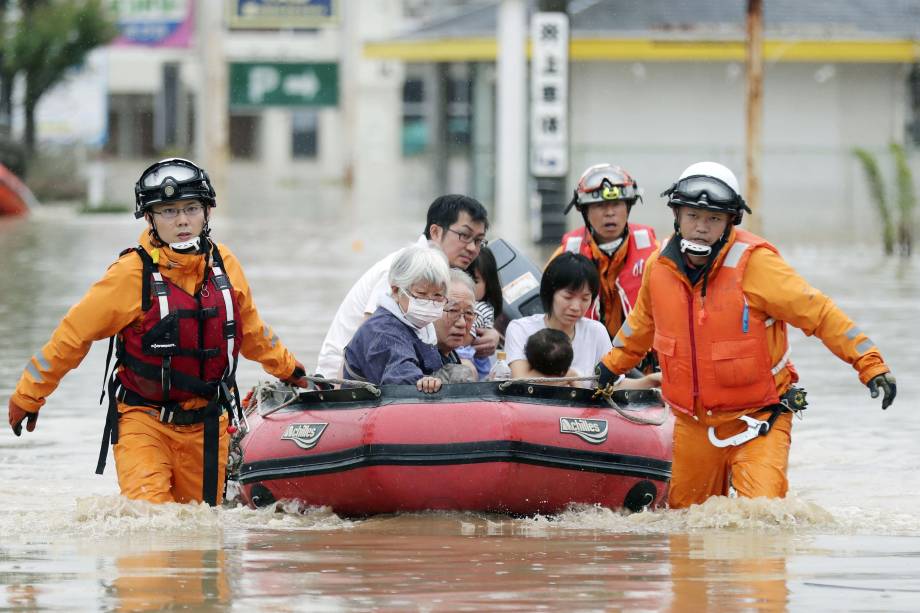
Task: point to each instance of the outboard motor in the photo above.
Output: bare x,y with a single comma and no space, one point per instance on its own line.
520,280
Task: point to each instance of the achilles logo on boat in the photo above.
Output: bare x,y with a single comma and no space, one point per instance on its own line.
592,430
304,436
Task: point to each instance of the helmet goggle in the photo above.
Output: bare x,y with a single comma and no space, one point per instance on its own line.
170,181
705,192
604,187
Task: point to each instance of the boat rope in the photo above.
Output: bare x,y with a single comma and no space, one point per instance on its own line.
508,382
605,393
629,414
265,391
373,389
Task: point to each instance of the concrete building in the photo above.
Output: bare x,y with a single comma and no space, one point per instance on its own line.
657,85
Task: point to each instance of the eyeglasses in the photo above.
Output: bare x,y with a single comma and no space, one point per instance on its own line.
454,313
467,238
436,301
192,210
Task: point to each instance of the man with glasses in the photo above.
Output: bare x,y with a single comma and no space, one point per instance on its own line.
454,327
714,304
456,225
605,196
179,311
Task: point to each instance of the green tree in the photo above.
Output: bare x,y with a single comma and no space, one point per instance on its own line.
50,38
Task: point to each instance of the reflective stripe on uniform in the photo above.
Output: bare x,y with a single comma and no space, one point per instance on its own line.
865,346
853,332
30,368
573,244
643,241
161,297
734,255
228,306
782,362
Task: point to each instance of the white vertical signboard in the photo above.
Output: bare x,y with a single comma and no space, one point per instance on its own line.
549,82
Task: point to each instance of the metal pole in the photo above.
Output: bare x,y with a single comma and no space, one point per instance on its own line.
754,68
511,141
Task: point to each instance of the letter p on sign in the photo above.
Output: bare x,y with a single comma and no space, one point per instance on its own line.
262,80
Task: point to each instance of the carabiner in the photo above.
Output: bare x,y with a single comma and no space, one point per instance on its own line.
756,427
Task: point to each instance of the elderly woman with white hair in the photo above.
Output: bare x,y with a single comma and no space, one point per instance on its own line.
397,344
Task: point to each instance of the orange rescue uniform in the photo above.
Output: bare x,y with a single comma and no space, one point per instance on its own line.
155,461
726,354
620,273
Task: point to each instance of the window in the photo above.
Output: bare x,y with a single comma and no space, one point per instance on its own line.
130,119
913,105
244,136
304,129
415,127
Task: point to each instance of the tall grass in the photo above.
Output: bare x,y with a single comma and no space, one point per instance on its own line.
907,200
877,190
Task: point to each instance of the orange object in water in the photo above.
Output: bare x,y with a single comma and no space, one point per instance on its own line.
15,197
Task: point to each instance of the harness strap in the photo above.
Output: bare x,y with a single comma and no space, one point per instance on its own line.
179,380
110,431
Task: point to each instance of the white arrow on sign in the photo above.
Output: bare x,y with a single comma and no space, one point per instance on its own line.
305,85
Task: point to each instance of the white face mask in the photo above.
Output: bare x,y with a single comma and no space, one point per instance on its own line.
421,312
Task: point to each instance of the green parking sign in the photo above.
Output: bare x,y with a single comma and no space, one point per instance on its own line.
261,84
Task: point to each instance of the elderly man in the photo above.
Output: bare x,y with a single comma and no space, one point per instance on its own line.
454,328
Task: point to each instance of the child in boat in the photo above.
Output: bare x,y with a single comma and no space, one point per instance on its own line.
549,353
488,307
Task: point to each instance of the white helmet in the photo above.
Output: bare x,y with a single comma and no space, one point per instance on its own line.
710,186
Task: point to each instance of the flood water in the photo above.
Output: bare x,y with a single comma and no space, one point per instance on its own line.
847,537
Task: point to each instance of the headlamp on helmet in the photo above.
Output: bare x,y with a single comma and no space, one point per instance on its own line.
172,180
604,183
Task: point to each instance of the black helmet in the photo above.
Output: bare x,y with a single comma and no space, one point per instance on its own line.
172,180
603,183
710,186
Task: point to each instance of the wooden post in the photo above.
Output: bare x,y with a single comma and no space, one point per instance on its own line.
754,69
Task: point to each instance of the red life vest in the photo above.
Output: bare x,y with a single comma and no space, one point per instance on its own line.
715,354
640,245
186,345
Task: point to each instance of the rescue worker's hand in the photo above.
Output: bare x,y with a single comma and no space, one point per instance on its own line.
887,384
605,376
486,342
429,385
298,378
17,415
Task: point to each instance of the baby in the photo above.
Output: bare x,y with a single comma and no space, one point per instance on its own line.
549,353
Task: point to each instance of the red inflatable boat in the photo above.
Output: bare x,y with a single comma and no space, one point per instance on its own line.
513,448
15,197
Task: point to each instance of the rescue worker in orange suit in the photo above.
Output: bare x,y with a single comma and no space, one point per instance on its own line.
714,304
605,196
179,311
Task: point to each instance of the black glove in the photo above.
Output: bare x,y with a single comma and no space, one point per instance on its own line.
886,383
17,415
605,376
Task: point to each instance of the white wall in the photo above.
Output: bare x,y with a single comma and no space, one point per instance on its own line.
657,118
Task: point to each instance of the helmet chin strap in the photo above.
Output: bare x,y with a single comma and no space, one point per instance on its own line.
610,247
189,246
691,248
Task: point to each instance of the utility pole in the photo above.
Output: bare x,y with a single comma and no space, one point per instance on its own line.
754,68
211,98
511,142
